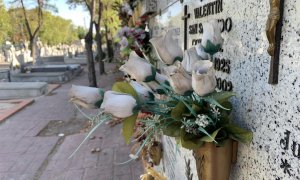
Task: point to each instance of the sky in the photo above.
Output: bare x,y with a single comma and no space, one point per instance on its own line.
78,15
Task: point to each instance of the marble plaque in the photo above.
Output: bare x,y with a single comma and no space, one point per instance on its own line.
272,112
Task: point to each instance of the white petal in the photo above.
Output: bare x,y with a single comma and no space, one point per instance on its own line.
202,67
161,78
200,51
166,48
212,32
137,67
204,84
118,104
189,59
88,95
180,81
143,92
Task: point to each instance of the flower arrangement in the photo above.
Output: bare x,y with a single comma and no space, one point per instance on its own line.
185,105
178,98
131,39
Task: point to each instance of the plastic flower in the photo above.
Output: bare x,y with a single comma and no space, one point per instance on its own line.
138,68
166,48
203,78
143,92
87,95
179,80
200,51
161,78
190,57
212,40
118,104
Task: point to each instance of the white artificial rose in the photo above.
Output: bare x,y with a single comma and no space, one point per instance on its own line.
166,48
138,68
180,81
212,40
161,78
143,92
88,95
200,51
203,78
118,104
190,57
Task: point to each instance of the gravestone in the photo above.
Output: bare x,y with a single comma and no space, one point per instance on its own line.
272,112
21,90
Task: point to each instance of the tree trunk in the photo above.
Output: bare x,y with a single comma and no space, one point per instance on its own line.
99,50
90,58
110,51
32,47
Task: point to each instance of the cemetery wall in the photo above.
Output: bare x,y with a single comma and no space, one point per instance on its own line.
272,112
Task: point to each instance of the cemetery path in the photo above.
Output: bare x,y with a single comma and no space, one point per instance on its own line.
30,148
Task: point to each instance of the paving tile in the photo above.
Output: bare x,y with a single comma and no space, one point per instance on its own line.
123,177
22,152
122,170
6,166
75,174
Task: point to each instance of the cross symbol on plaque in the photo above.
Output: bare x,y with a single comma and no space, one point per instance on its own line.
185,17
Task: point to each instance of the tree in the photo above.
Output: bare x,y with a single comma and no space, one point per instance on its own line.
57,30
5,26
33,31
90,6
99,37
80,32
111,23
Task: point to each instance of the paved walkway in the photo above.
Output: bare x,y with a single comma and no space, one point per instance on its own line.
24,155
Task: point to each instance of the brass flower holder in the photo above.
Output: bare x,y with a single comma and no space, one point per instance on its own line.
214,162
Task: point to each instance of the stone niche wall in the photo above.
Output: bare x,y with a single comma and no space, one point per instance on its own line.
272,112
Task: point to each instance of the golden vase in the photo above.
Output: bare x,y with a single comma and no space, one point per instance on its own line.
214,162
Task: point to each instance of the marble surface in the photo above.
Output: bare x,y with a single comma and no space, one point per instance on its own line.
268,110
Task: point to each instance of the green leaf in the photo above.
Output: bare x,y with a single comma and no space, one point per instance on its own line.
212,137
172,130
223,96
190,108
125,87
128,127
214,102
178,58
177,112
239,134
189,141
98,103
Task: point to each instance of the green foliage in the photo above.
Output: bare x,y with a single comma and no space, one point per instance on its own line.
128,127
5,26
178,111
57,30
172,130
125,87
81,32
239,134
110,17
188,141
212,137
